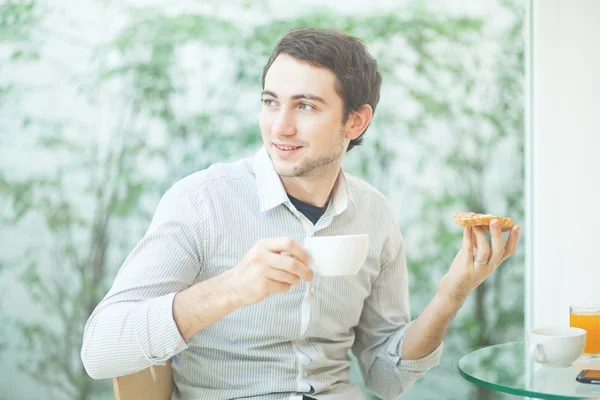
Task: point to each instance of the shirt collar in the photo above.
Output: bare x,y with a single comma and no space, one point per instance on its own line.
271,192
341,194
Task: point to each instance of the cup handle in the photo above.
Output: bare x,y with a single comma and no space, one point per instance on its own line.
536,352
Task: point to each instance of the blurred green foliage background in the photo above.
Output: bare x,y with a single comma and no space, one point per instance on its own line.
105,104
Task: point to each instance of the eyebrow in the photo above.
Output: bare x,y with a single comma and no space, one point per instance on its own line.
297,96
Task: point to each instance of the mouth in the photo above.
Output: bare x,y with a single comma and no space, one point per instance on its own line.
285,147
286,151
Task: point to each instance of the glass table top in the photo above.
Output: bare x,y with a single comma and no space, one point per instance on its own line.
508,368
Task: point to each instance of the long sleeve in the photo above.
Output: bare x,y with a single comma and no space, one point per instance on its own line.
133,326
384,321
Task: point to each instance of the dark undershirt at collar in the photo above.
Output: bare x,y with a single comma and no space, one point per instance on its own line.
311,212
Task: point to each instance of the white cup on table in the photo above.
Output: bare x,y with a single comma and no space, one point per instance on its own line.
556,347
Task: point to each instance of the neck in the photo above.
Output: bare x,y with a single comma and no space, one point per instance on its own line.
314,190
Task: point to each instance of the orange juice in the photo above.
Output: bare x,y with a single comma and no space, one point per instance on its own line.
588,318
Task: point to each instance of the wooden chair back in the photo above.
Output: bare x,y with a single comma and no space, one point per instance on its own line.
153,383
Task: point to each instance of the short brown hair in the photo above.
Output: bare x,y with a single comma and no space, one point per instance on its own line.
358,80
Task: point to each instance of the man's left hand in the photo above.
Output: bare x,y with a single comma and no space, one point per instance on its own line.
476,260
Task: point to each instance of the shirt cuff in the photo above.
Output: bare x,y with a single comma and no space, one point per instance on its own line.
426,363
420,365
394,347
156,330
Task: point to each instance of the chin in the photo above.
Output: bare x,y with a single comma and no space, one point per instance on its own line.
286,170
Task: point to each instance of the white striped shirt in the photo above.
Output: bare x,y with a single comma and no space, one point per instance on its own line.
287,345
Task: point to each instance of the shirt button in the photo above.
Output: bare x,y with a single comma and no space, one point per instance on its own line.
312,290
304,360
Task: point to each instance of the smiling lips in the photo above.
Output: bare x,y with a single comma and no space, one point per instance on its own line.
286,147
285,150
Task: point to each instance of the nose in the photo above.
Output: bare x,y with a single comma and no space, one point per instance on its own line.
284,124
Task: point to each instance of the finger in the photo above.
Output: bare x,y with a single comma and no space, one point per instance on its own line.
498,250
280,287
511,243
276,287
468,239
483,247
289,246
281,276
289,265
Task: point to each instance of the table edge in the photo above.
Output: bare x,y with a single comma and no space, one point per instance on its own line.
505,389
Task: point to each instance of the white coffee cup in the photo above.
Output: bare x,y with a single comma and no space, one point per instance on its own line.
556,346
337,255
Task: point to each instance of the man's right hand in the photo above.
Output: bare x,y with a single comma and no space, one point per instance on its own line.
270,266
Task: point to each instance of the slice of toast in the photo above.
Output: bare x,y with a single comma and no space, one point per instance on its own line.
474,219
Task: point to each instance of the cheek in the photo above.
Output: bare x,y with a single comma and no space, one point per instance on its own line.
265,124
314,125
323,129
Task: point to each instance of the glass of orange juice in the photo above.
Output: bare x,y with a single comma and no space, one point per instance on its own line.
587,317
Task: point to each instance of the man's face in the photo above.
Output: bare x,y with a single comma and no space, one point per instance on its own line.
301,118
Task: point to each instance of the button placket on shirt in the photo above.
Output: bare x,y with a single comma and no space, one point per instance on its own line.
309,229
305,360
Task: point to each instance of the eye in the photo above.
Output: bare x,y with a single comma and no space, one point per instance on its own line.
268,102
306,107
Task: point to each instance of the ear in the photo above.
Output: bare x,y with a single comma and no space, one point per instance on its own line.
358,122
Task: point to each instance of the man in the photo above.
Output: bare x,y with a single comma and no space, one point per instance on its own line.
222,285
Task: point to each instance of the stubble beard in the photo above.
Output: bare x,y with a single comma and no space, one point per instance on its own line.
315,166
